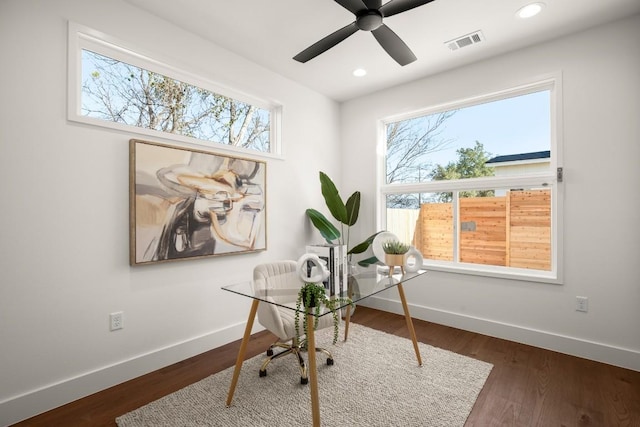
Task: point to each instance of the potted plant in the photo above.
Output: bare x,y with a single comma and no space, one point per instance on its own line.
394,252
312,295
346,213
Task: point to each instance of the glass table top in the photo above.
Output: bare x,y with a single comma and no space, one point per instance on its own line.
282,290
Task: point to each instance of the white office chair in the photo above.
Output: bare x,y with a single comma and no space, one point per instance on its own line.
268,278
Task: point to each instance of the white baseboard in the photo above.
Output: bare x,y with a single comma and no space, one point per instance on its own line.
34,402
622,357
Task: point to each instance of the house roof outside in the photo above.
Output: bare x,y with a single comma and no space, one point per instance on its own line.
520,157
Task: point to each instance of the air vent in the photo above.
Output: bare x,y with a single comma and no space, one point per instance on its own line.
466,40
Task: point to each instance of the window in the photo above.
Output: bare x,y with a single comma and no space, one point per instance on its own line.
115,87
473,185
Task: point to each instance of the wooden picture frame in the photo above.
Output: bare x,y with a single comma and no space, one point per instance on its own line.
186,203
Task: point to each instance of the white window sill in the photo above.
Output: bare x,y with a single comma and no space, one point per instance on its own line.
521,274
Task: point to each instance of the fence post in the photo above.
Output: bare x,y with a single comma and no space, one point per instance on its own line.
507,246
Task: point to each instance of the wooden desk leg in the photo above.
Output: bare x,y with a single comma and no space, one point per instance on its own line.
242,351
347,319
313,370
407,316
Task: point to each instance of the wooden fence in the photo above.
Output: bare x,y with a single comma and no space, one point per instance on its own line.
512,230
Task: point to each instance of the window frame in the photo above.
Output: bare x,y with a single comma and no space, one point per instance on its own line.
84,38
549,180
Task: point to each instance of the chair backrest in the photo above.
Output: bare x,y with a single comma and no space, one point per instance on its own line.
269,278
277,275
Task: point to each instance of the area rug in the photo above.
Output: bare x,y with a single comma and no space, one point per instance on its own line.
375,381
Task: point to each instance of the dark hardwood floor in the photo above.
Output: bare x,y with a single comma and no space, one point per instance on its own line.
528,386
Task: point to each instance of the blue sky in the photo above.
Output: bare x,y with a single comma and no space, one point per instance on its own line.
509,126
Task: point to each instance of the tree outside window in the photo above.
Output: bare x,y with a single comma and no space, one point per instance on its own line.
123,93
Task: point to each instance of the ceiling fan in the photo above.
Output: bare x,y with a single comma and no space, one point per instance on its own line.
369,16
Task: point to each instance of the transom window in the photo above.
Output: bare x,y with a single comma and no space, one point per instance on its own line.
473,185
115,87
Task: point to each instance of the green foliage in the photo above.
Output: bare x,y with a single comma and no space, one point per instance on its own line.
332,198
395,247
471,163
367,262
313,296
326,228
345,213
361,247
353,208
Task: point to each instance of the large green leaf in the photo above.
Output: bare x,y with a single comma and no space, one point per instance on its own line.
326,229
353,207
361,247
332,198
368,261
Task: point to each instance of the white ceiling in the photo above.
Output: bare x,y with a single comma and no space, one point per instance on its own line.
271,32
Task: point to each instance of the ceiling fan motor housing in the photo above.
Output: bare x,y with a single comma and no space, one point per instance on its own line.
369,20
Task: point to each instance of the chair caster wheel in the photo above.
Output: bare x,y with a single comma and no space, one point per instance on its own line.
329,361
304,380
270,352
263,373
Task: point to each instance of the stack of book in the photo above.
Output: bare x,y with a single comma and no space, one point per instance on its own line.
336,258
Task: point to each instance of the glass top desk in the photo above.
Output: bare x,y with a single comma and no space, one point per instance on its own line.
367,282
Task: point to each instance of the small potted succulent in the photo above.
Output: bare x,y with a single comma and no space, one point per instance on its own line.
312,295
394,252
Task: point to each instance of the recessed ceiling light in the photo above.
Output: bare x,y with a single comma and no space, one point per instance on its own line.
359,72
529,10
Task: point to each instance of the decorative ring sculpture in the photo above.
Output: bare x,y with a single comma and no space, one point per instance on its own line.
415,256
312,269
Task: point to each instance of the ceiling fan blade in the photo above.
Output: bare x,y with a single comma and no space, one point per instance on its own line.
394,45
326,43
398,6
373,4
354,6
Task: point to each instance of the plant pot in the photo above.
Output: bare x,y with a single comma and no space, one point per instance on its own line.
393,260
313,300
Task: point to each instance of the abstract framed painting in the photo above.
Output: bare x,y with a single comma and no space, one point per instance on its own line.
186,203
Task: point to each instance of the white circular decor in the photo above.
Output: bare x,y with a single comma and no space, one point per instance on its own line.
412,260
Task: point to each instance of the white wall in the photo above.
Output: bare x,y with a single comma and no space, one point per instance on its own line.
601,87
65,234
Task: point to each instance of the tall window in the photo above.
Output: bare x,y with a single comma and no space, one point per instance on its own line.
119,88
473,186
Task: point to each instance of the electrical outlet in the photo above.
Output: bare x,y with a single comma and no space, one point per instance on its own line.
116,321
582,304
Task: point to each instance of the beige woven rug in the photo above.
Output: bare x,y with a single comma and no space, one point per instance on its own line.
376,381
